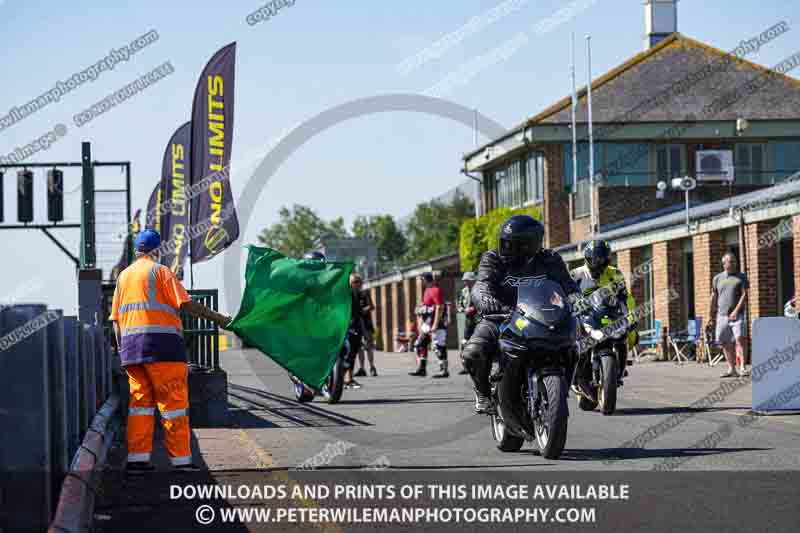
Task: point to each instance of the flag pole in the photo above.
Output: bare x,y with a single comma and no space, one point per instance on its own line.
574,130
592,217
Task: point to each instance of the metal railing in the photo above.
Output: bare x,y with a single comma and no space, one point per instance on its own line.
202,335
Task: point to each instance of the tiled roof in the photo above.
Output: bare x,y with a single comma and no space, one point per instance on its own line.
627,92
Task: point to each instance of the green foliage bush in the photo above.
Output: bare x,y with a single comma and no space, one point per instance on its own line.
480,235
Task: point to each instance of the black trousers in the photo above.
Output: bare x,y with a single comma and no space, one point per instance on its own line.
479,352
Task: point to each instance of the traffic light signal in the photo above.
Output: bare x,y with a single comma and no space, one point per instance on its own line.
25,196
55,195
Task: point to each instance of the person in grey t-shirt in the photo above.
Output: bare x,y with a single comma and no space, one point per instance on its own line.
728,297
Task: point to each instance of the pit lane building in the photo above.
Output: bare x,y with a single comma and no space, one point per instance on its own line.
678,108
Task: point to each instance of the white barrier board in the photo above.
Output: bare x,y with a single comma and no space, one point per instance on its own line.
776,364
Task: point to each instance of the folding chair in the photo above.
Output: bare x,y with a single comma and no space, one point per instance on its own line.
649,339
710,345
682,343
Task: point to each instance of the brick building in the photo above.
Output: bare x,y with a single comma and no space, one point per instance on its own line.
679,108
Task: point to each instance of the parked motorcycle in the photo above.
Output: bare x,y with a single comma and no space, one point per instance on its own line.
602,352
334,384
529,384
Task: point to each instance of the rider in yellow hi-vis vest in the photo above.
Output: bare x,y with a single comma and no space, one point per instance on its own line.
597,272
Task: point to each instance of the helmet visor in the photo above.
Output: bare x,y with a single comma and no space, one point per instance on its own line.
522,246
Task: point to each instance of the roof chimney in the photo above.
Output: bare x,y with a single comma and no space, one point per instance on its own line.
660,21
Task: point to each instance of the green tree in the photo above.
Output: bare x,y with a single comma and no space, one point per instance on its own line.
299,230
388,237
434,228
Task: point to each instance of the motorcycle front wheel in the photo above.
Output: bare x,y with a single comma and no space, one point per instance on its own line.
550,422
302,394
336,382
506,442
607,391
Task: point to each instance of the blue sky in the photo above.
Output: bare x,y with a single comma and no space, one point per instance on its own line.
308,58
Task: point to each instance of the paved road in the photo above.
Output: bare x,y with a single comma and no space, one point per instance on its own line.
410,422
421,423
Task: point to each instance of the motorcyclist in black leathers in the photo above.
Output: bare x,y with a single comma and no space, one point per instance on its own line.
519,258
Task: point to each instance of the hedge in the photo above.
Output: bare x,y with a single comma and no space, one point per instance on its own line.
480,235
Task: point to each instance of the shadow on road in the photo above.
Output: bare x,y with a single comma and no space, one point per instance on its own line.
615,454
633,411
404,400
284,408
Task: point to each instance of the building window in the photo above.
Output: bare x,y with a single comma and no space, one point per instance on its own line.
731,238
627,164
582,199
535,177
687,272
749,163
670,161
648,320
510,184
583,162
786,160
785,272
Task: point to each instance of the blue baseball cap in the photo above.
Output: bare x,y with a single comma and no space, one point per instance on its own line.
147,241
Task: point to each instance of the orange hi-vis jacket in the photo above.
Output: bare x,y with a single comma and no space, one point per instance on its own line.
146,306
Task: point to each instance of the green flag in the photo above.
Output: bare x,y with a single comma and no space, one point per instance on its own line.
295,311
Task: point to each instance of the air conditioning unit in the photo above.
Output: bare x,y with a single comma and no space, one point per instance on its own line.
715,165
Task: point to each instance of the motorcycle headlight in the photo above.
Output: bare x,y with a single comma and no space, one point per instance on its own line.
597,334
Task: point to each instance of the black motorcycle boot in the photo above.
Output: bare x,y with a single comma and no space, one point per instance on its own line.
443,373
479,372
421,368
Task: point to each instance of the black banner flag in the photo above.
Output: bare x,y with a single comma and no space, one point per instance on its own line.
213,216
152,218
173,207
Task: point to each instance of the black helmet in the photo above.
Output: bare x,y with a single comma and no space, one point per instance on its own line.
318,256
597,255
520,238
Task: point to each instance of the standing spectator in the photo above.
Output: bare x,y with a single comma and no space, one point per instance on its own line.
367,306
728,300
432,327
357,326
470,313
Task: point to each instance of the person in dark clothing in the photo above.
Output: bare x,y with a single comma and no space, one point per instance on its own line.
470,312
519,259
356,338
366,306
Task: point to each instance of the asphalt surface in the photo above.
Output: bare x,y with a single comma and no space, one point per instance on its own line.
405,422
404,431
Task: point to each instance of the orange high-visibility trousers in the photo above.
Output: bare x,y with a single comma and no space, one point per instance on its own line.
164,385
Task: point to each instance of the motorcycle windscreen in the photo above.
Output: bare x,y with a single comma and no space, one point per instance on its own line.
543,301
